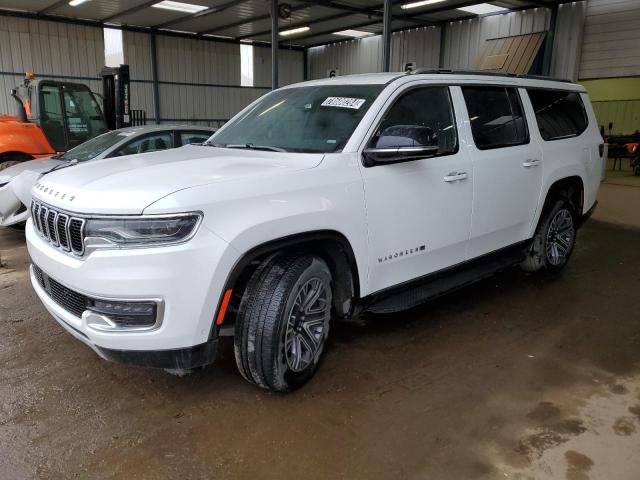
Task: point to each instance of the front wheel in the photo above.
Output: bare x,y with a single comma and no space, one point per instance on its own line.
8,163
283,321
554,240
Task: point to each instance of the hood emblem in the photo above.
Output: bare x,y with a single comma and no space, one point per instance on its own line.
55,193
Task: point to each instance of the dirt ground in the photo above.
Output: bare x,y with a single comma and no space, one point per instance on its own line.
515,377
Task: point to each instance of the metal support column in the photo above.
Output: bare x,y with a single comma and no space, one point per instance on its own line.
443,39
548,44
274,44
154,78
305,64
386,36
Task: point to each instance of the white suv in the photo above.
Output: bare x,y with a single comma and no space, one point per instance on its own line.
319,200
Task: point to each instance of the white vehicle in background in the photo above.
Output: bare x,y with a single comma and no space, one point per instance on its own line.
17,181
317,201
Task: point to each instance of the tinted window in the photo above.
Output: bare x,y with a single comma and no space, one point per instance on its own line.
559,114
496,117
420,117
148,143
51,118
187,138
316,119
84,117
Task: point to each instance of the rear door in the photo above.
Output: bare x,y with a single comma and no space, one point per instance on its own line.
507,167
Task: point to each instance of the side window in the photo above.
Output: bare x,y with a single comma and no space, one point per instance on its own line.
559,114
147,143
84,118
187,138
76,121
51,119
421,117
496,116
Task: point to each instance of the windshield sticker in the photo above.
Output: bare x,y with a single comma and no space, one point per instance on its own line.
343,102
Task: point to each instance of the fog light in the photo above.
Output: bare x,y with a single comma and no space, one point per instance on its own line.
126,314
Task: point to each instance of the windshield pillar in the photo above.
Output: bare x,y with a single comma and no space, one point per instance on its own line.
274,44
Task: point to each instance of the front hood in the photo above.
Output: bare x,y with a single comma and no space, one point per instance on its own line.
39,165
127,185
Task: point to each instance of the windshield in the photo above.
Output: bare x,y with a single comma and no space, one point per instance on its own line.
94,147
316,119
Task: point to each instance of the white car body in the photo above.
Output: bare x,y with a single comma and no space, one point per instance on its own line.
401,221
17,181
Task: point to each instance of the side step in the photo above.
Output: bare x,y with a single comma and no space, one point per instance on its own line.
433,285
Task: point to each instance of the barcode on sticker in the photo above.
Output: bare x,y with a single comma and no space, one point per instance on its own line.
343,102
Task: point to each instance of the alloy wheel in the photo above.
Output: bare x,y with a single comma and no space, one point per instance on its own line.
307,325
560,237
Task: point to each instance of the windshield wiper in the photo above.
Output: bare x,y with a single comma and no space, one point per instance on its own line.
68,163
251,146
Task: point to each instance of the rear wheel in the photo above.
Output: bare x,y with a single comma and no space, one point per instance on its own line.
283,321
554,239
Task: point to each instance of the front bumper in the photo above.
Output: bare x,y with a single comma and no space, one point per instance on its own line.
12,211
187,278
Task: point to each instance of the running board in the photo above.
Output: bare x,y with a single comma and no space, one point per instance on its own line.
433,285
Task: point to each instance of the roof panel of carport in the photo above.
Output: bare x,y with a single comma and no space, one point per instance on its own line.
28,5
249,19
249,10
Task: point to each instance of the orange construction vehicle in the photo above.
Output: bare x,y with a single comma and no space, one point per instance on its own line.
54,116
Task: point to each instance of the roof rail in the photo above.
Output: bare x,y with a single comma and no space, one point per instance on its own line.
485,72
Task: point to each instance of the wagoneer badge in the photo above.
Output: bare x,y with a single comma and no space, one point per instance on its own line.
402,254
54,193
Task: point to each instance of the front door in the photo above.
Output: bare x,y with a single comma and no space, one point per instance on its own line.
419,211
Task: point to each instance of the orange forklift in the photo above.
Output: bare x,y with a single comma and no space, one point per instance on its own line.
53,116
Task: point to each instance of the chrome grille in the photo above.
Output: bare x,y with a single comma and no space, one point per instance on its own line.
59,229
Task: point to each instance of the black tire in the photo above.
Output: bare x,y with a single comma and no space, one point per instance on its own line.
554,240
8,163
18,226
272,331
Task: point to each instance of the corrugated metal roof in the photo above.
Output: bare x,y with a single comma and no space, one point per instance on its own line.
250,19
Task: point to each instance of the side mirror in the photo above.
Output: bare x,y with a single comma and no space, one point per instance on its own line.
387,156
401,143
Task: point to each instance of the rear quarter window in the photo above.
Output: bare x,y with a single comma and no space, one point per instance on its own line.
559,114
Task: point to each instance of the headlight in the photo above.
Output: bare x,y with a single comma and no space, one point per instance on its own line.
141,231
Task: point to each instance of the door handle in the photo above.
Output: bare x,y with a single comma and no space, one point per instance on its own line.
455,176
532,162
